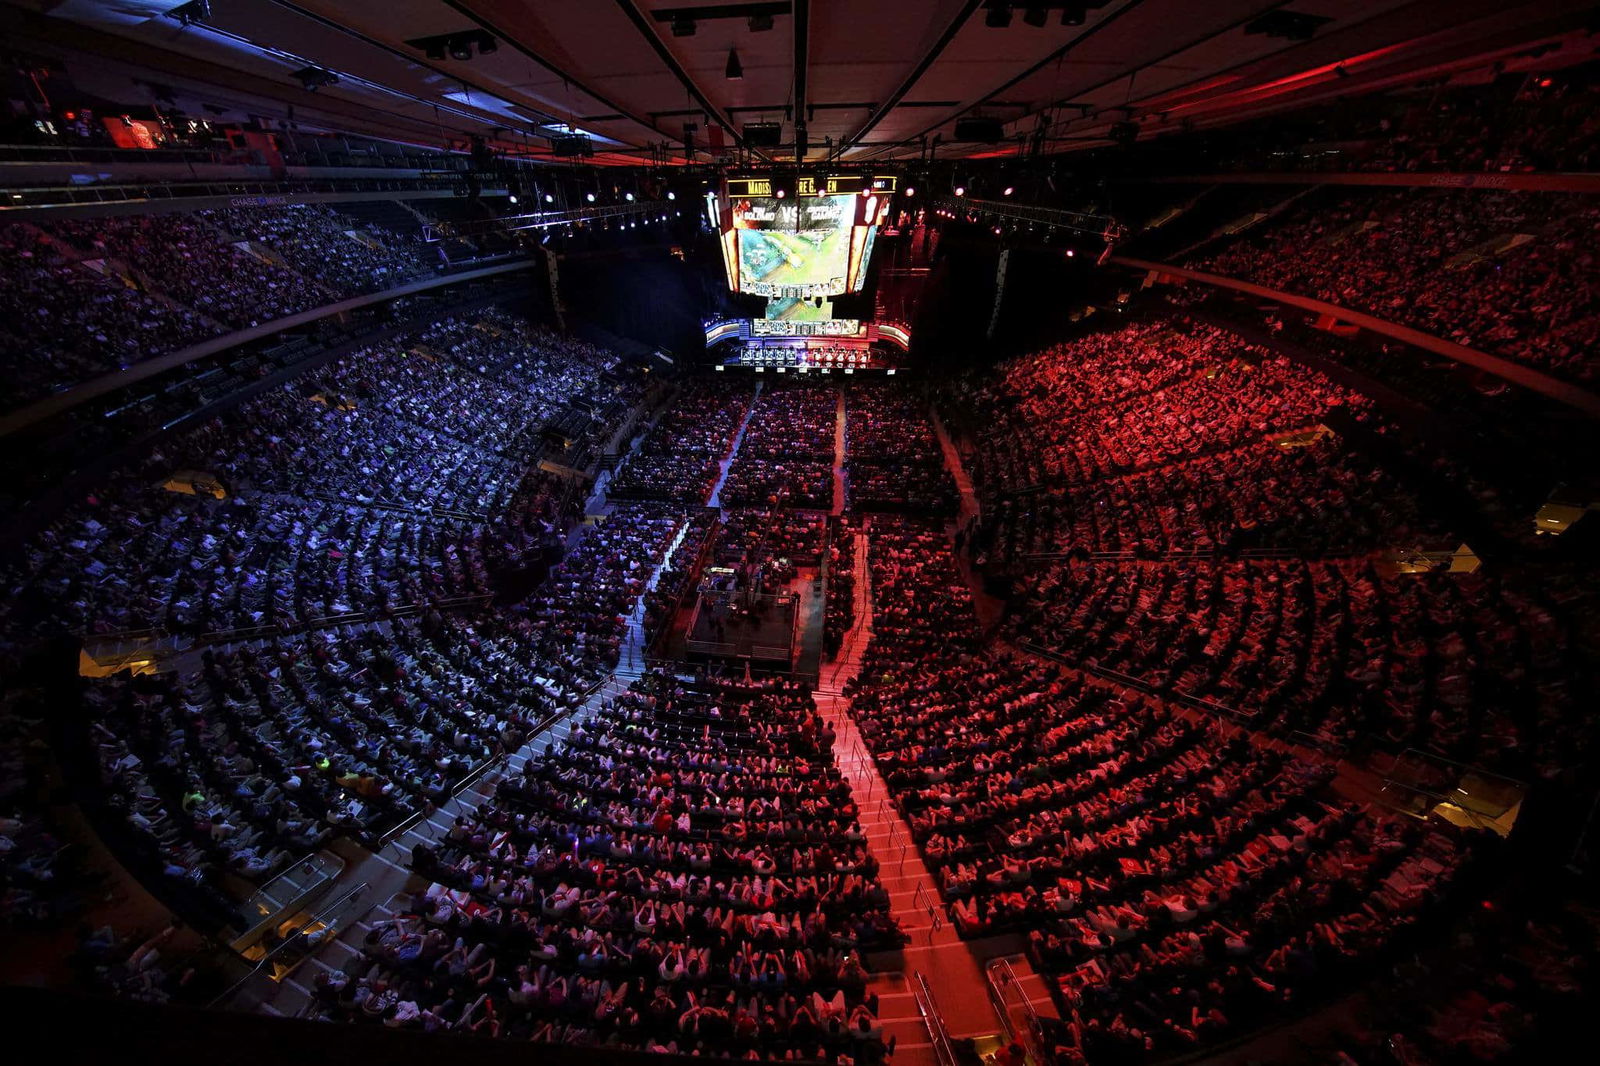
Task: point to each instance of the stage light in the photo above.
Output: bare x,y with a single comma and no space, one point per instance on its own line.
1009,191
460,49
589,196
549,198
671,195
911,190
998,17
734,71
961,190
683,26
512,197
1074,14
1034,15
1070,253
760,23
628,197
779,194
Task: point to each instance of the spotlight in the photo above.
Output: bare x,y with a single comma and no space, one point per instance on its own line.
911,190
1008,191
683,26
779,194
998,16
671,195
628,197
1070,253
487,44
1074,14
760,23
460,49
1034,15
549,198
512,197
961,190
589,196
734,70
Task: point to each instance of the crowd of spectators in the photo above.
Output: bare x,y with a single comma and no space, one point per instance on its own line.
895,461
88,296
681,455
777,543
1489,270
839,610
264,753
1469,666
187,260
43,882
1178,885
1314,499
672,585
685,873
317,242
65,322
786,457
1234,561
392,476
1524,122
1509,986
1137,398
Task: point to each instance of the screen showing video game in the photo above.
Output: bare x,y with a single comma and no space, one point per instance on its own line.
794,248
814,242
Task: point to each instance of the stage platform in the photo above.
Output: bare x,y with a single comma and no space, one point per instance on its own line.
733,626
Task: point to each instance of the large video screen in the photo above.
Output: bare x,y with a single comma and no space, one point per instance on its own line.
812,239
796,248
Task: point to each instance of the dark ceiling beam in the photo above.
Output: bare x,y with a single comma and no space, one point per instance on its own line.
522,47
1209,76
1035,68
911,79
1470,53
401,53
669,61
339,109
802,68
707,12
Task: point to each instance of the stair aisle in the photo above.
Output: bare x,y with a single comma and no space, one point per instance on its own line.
953,972
715,499
839,444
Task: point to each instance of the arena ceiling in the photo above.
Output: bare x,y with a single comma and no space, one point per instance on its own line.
857,80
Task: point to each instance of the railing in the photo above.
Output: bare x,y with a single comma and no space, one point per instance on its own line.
286,890
1002,979
1446,785
1141,684
379,505
477,773
938,1032
929,901
325,918
328,621
56,196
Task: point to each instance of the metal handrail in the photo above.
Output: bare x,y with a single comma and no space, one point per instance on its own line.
292,941
938,1033
997,990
